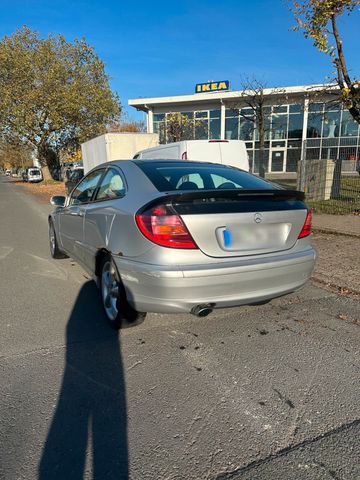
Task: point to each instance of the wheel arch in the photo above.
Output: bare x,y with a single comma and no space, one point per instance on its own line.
99,258
101,254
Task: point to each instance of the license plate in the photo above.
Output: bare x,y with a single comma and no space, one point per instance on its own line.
253,237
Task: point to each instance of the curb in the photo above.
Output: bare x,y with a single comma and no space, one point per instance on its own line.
338,289
335,232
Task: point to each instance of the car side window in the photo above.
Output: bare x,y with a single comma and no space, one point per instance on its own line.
111,187
85,189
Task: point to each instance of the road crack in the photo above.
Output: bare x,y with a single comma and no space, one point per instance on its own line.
285,451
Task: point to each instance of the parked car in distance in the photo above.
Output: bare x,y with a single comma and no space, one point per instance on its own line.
33,174
226,152
8,172
74,177
169,236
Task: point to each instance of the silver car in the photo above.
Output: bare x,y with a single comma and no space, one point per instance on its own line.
172,236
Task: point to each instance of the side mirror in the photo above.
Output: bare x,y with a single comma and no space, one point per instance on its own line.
57,200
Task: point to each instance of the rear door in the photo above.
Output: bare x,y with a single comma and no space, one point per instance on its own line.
203,150
233,152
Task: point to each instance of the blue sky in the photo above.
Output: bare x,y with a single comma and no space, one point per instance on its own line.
164,48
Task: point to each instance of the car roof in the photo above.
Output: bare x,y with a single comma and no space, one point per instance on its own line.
163,161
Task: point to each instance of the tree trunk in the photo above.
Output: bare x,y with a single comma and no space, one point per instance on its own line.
262,168
46,173
343,74
49,161
355,112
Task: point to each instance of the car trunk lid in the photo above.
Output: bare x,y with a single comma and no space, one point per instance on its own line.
239,223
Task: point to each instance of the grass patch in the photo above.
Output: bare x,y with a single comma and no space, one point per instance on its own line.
50,182
44,190
289,183
347,202
334,207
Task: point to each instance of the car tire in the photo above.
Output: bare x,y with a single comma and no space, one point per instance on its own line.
118,311
55,251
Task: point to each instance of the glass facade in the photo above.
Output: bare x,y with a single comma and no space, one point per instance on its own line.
214,125
158,126
204,125
329,131
283,131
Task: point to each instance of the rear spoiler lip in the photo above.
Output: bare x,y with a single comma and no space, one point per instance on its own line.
233,193
184,196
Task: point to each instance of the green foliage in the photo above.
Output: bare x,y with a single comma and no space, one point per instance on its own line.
53,94
314,18
348,201
318,21
14,155
181,127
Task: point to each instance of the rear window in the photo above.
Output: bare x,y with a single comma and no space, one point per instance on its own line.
34,172
170,176
77,174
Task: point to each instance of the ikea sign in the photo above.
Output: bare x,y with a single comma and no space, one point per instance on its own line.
212,86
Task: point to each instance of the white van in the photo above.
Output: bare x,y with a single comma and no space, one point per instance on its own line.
33,175
227,152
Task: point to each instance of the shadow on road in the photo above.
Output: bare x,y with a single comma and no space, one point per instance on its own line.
88,430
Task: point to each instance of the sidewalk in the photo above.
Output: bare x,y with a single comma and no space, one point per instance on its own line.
343,224
336,238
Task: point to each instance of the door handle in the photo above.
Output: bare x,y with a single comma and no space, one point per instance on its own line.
77,213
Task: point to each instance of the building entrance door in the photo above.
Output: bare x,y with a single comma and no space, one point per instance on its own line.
278,160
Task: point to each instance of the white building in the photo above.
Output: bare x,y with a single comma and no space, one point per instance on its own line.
296,117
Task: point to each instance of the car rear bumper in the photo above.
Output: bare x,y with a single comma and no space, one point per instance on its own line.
160,289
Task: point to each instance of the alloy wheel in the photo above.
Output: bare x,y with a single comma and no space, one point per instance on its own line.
52,238
110,289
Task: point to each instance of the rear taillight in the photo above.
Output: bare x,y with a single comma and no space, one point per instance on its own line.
184,156
163,226
306,230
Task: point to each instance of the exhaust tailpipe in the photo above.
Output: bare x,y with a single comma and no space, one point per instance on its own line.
203,310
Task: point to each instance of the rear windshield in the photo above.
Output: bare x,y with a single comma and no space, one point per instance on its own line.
77,174
34,172
172,175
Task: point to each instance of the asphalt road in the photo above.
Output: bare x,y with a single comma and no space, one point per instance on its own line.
267,392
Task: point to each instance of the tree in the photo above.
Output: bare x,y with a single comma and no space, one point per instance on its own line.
251,107
319,21
127,127
54,94
180,127
14,155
